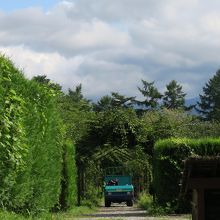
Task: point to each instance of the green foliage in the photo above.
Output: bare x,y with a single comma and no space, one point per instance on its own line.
134,162
168,157
69,172
76,114
145,201
114,138
209,105
46,138
68,178
31,140
73,213
71,175
140,166
4,215
121,101
115,128
92,195
76,95
151,95
165,123
116,100
198,129
42,79
104,104
174,97
12,135
110,154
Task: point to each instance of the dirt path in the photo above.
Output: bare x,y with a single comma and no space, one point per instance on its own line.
122,212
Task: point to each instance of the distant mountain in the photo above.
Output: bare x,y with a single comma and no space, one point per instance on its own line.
192,101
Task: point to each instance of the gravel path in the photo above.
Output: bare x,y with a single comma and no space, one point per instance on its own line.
122,212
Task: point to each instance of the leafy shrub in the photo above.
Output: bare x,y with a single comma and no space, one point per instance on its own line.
146,202
168,157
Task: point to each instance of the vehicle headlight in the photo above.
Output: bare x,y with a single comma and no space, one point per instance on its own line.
128,193
109,193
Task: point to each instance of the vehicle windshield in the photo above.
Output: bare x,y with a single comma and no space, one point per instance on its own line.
113,182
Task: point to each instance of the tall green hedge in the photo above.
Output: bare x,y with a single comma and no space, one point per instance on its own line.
13,139
68,195
168,157
31,143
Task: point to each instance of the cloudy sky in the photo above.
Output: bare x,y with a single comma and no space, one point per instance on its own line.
110,45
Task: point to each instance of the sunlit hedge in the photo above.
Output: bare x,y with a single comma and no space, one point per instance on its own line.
31,143
168,157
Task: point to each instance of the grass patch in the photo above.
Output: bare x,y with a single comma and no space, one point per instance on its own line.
4,215
10,216
74,212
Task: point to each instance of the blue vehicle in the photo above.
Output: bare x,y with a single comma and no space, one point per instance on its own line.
117,189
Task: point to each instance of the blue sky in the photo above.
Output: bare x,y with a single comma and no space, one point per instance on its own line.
11,5
110,45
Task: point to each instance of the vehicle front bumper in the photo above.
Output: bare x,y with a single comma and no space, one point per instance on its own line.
119,196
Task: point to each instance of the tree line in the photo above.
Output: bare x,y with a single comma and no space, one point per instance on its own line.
173,97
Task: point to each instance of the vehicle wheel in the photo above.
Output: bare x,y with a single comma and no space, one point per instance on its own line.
129,203
107,203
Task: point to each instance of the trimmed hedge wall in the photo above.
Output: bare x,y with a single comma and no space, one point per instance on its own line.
168,165
68,197
31,143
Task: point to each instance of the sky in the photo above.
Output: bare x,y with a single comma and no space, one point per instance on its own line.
111,45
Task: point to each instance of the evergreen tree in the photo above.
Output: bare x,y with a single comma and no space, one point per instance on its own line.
75,111
42,79
122,101
209,105
76,95
114,101
174,97
151,95
104,104
77,99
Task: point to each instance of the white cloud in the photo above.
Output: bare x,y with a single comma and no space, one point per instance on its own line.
112,45
97,77
57,67
98,34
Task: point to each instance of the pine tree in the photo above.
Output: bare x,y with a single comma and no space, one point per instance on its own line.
104,104
151,95
114,101
121,100
174,97
209,105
